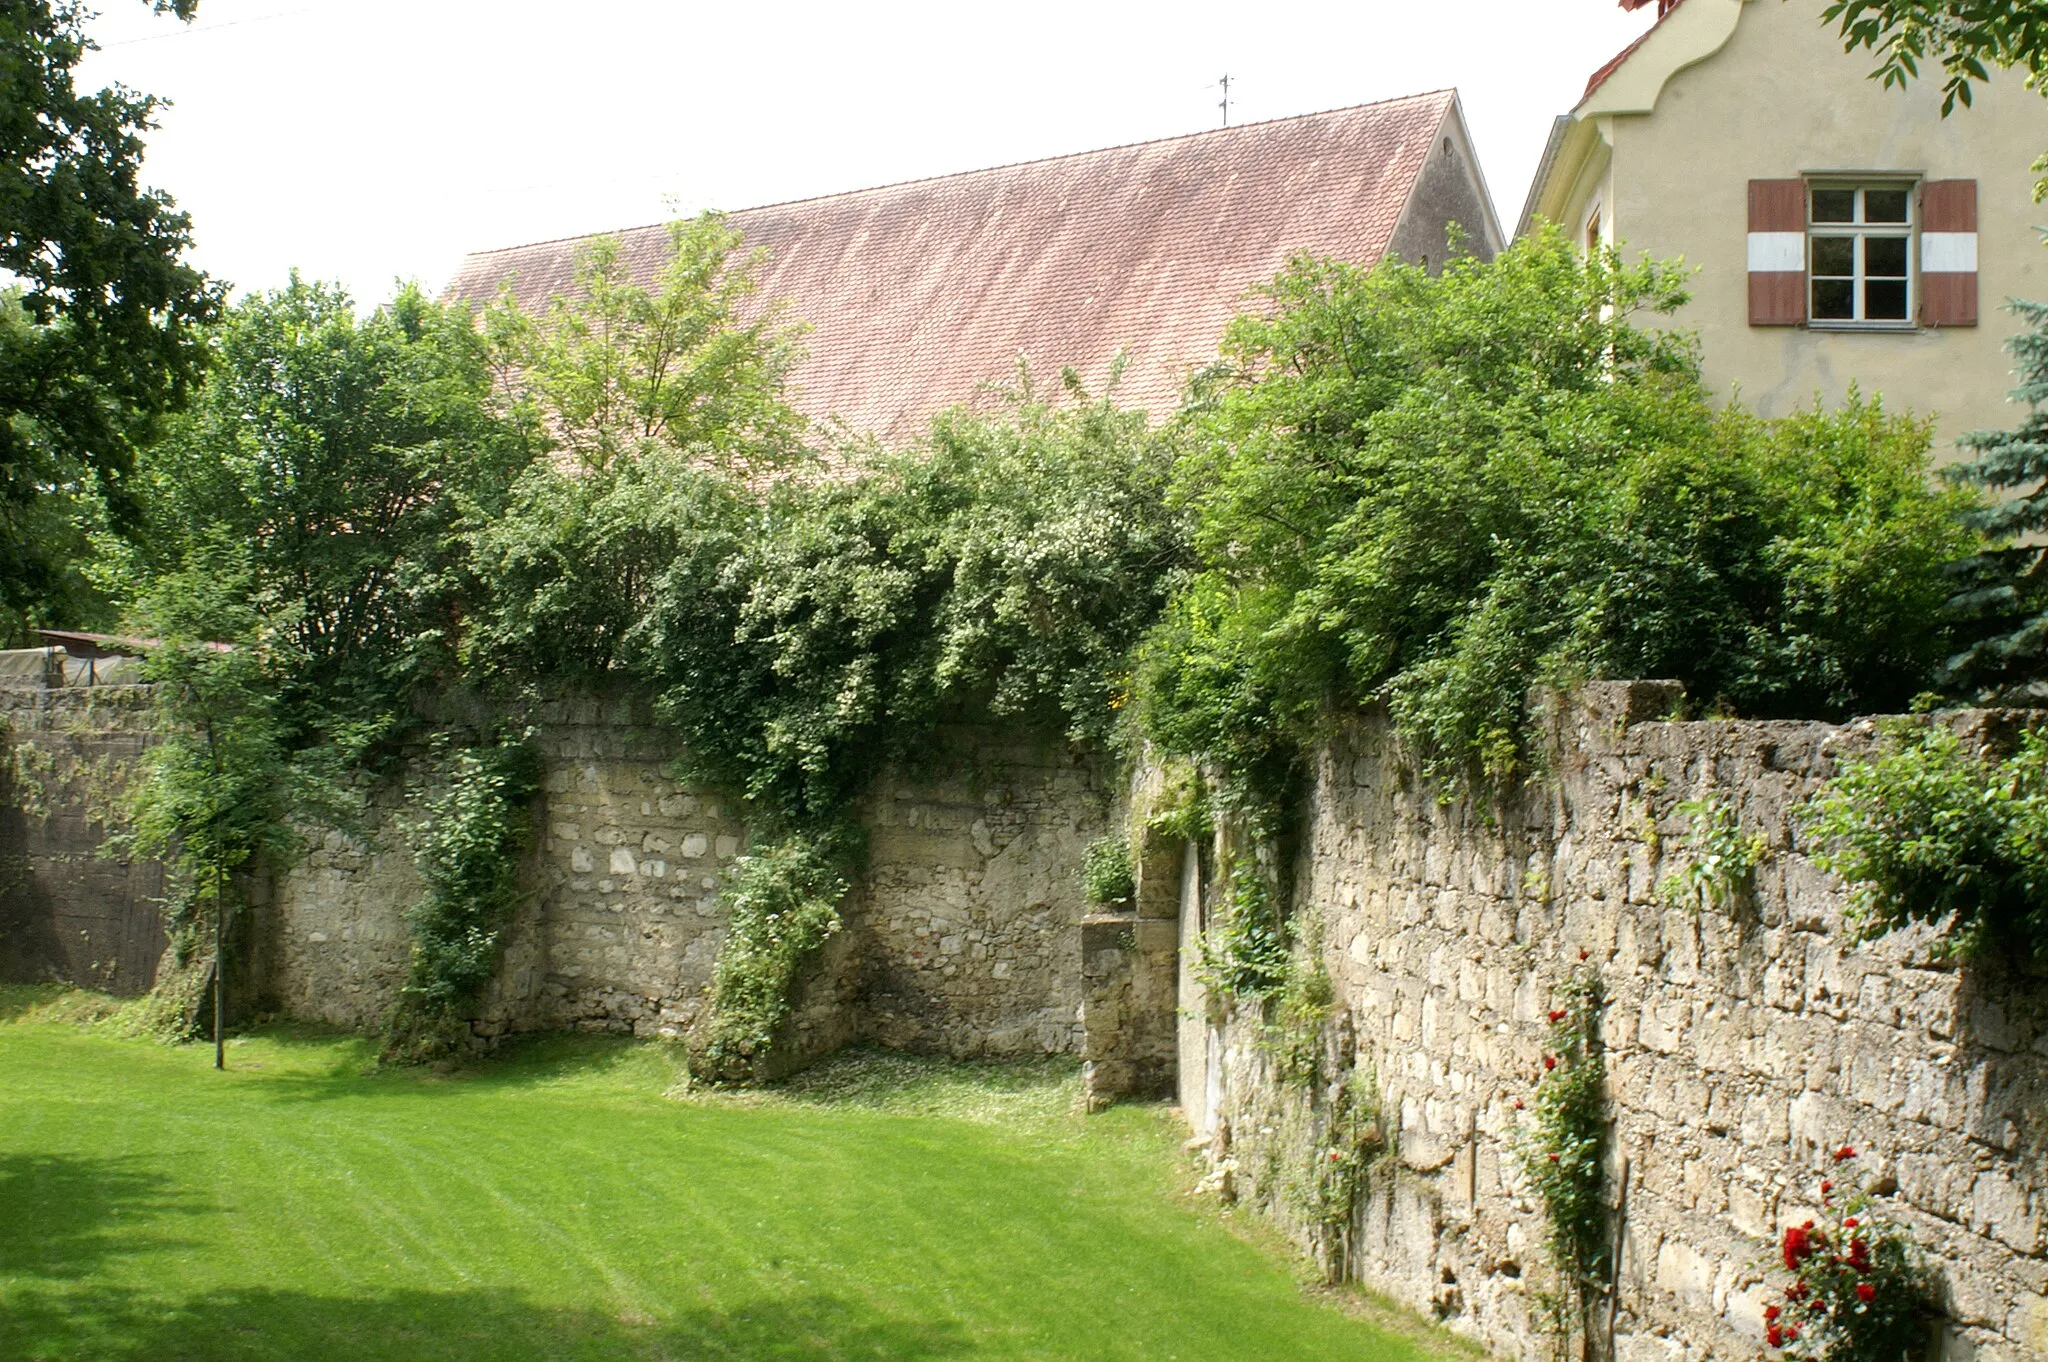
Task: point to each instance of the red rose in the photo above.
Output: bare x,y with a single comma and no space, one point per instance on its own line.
1796,1291
1518,1104
1859,1254
1826,1187
1553,1158
1776,1336
1771,1313
1549,1063
1865,1292
1796,1248
1850,1223
1557,1017
1792,1331
1585,955
1845,1152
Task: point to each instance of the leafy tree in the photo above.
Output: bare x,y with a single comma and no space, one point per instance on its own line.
2002,593
1436,492
618,367
667,411
344,452
1967,37
216,786
101,325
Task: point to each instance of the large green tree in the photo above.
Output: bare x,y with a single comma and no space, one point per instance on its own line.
101,323
344,451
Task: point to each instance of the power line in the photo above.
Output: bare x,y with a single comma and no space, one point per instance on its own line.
193,30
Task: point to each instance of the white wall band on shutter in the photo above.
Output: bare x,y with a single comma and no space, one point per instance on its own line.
1777,252
1948,253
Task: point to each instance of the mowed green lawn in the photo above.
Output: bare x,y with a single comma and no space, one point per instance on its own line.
564,1202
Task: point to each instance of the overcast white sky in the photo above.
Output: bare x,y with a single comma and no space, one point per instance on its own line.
371,140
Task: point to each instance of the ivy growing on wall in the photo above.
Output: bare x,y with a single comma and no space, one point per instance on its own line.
784,903
1720,860
468,849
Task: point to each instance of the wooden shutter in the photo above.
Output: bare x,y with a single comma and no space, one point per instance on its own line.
1777,252
1948,253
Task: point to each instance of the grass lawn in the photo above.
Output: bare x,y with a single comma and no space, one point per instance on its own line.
564,1202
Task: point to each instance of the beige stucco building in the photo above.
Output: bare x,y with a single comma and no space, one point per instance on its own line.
1843,233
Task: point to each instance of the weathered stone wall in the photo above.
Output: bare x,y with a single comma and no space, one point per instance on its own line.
960,938
66,911
1741,1048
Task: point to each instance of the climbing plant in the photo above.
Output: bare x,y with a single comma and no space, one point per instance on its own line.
783,899
468,849
1564,1155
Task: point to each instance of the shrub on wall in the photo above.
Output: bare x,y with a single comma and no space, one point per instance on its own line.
1106,872
1436,491
1859,1290
1925,830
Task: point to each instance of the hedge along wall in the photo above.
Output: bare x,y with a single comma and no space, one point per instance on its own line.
960,938
1741,1048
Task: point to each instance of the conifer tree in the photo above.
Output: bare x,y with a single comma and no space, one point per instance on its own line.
2002,596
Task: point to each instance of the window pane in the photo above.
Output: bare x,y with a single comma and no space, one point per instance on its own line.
1885,255
1834,205
1884,205
1884,300
1834,255
1834,300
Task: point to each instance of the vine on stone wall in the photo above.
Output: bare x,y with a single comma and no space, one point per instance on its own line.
784,902
1564,1155
469,849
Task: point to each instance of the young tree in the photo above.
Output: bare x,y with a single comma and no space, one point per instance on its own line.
214,790
100,328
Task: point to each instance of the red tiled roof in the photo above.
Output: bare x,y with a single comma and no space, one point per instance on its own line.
919,293
1599,79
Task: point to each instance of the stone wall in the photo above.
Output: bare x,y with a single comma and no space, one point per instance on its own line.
66,911
1741,1047
960,938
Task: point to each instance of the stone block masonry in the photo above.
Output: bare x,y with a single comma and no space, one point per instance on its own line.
1741,1047
67,912
959,938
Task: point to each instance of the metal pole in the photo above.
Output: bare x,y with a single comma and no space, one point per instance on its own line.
220,971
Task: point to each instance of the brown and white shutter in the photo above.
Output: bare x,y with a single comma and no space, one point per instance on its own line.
1948,253
1777,252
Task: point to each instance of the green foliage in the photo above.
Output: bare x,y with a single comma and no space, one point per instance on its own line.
1182,811
784,902
100,315
1438,491
1720,860
1925,830
2002,593
1301,1011
1106,872
213,791
617,369
1354,1139
1565,1150
1860,1290
469,850
343,452
1245,954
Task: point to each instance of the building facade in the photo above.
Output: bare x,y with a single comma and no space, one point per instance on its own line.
1843,235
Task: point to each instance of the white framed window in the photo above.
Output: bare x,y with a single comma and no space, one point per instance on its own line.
1860,253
